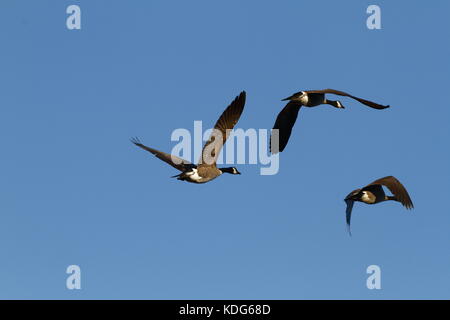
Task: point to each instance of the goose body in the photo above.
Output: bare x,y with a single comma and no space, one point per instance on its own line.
197,175
304,98
206,170
374,193
286,118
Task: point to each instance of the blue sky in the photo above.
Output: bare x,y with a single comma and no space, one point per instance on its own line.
74,190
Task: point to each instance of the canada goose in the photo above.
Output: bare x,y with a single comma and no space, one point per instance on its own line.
206,170
312,98
374,193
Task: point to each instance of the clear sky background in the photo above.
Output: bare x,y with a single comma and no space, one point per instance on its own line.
74,190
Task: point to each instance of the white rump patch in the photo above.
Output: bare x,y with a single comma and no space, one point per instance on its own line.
304,98
365,197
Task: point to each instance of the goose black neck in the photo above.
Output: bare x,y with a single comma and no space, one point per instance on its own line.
227,170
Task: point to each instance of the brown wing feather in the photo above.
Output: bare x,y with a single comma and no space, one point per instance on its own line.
342,93
284,123
397,189
174,161
223,126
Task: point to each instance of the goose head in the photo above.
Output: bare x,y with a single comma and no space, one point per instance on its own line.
230,170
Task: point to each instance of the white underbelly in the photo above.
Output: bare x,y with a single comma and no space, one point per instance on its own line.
193,175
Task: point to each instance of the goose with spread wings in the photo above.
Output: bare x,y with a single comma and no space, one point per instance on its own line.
206,170
373,193
286,118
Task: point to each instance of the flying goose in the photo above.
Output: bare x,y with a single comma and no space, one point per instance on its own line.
312,98
206,170
374,193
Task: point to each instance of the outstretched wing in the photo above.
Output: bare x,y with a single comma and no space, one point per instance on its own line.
222,130
174,161
341,93
284,123
397,189
348,213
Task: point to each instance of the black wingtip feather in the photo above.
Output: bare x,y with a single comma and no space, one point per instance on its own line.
135,140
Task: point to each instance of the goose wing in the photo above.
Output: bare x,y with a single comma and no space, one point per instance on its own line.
174,161
397,189
348,213
284,123
222,130
345,94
